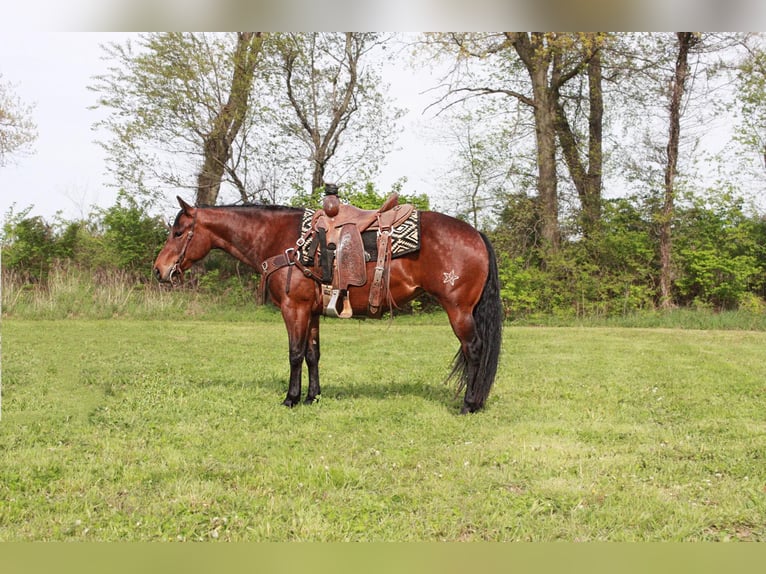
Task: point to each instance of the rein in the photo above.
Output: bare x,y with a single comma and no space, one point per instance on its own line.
176,268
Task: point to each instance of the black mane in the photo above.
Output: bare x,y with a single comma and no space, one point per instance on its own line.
248,207
265,206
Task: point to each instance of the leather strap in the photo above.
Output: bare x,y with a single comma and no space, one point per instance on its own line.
379,286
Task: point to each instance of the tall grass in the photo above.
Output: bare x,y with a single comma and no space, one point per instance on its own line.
72,292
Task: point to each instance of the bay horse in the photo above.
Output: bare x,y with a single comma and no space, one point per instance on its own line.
455,264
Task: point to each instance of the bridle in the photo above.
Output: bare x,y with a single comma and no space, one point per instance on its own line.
176,268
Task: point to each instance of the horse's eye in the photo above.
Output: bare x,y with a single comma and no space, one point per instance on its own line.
178,233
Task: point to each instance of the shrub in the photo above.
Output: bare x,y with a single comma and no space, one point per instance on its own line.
29,247
131,237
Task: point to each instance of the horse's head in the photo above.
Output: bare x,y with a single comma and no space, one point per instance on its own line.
186,244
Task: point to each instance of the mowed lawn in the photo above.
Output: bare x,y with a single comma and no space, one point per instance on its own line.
173,430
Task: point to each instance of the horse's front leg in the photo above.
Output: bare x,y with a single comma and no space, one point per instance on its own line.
312,360
297,322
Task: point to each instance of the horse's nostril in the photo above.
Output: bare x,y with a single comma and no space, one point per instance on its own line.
157,274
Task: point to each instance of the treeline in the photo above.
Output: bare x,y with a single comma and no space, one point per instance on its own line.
719,263
124,237
719,260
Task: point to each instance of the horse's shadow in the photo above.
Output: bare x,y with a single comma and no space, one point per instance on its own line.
343,392
438,393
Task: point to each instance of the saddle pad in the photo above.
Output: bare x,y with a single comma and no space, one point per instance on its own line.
405,238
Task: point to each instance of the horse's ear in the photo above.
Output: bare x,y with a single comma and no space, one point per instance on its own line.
185,206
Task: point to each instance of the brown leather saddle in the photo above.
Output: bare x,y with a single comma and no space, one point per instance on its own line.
339,227
342,226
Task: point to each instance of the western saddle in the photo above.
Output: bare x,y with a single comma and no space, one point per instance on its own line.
338,228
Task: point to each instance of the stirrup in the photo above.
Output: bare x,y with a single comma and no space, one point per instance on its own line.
331,309
332,306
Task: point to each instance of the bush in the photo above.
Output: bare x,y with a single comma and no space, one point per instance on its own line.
29,245
123,237
711,277
131,237
610,273
720,252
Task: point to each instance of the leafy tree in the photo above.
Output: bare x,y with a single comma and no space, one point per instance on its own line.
231,108
534,69
686,41
370,198
28,244
488,159
179,103
228,122
17,130
330,101
666,82
721,255
750,97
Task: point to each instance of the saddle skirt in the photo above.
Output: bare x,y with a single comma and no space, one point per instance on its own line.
349,258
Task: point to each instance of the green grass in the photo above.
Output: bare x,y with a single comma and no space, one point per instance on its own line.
706,319
172,430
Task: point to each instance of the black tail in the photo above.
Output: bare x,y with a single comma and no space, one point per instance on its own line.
479,375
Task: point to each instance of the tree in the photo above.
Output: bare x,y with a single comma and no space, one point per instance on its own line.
330,87
534,69
585,165
230,107
228,121
719,249
17,130
487,162
751,100
669,87
685,43
179,103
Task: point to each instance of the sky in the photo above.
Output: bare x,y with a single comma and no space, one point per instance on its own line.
66,171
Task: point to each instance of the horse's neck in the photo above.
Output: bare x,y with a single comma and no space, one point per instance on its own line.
254,235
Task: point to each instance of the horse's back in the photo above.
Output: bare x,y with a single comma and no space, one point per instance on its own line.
451,264
452,246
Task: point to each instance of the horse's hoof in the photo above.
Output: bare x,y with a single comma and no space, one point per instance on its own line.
289,403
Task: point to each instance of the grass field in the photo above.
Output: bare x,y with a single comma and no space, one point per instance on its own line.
172,430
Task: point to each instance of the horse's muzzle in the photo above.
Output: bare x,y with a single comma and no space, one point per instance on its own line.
173,276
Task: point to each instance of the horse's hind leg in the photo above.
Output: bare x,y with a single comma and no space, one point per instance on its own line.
466,364
312,360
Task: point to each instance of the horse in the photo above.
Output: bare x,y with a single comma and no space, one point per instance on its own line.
455,264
